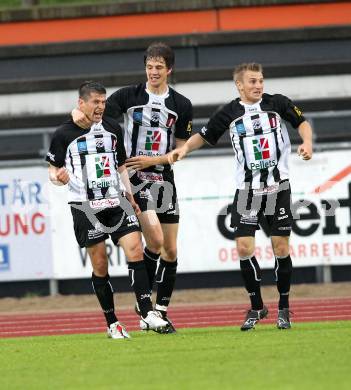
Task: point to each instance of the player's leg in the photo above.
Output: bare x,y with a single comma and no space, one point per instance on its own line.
153,235
101,281
281,228
250,270
167,268
132,247
245,213
144,195
91,235
168,215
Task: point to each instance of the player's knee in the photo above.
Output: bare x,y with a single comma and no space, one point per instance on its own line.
244,248
135,251
281,249
170,252
100,267
155,244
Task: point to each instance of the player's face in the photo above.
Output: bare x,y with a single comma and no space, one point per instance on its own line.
250,86
93,106
157,72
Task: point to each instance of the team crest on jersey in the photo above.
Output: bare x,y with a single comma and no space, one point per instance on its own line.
256,124
155,116
102,166
153,140
99,142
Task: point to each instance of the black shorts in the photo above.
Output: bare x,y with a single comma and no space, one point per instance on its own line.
156,191
95,224
270,207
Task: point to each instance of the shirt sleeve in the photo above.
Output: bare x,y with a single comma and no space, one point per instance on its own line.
57,152
120,149
184,124
289,112
116,104
216,126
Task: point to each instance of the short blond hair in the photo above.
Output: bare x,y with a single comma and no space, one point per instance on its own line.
242,68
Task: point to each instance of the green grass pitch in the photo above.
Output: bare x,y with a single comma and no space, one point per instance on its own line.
309,356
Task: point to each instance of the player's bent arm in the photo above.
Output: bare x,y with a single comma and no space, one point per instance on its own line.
126,182
143,162
193,143
58,176
80,119
305,149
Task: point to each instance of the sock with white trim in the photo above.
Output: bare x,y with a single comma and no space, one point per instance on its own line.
165,279
104,292
140,283
251,273
151,260
283,272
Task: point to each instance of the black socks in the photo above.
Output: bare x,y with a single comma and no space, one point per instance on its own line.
165,278
251,273
150,259
283,272
140,282
104,292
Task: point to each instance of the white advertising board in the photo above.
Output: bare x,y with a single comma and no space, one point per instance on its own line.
206,187
25,234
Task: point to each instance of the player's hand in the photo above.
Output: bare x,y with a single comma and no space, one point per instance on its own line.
140,162
62,175
179,153
305,151
80,119
136,207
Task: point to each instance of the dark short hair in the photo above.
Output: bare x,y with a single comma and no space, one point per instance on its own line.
240,69
160,50
87,87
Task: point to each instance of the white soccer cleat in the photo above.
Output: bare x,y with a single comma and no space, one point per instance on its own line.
117,331
152,321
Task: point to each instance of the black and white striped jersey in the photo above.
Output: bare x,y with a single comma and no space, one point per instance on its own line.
259,137
92,158
151,122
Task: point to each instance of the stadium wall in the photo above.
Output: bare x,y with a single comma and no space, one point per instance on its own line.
201,20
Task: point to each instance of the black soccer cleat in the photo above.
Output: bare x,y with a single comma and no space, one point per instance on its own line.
169,329
283,321
252,317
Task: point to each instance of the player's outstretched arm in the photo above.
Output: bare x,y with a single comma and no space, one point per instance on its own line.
142,162
58,176
193,143
305,149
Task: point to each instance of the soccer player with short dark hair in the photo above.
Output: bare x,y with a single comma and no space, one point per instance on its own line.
92,163
261,147
156,118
